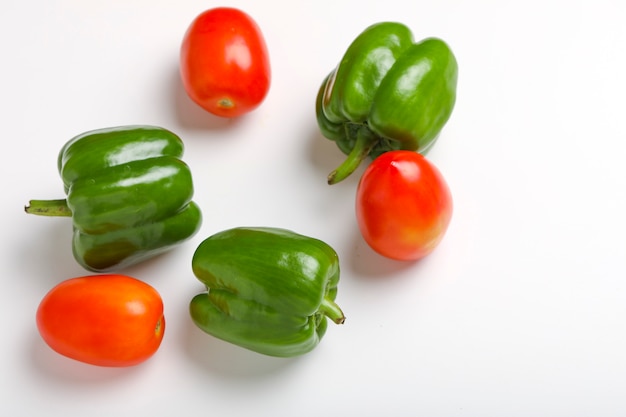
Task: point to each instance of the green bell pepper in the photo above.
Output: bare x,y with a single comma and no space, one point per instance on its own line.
128,193
268,290
387,93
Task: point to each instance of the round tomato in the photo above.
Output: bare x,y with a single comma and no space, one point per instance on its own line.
224,63
105,320
403,205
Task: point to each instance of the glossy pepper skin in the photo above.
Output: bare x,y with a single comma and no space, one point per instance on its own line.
269,290
387,93
129,195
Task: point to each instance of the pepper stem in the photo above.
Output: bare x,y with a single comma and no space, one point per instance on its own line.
331,310
55,208
365,141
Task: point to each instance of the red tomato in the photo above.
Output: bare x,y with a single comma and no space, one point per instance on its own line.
105,320
224,62
403,205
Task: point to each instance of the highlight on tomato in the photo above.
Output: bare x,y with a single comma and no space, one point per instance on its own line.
403,205
104,320
224,62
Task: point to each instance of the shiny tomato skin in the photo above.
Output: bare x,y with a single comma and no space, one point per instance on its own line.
224,62
106,320
403,205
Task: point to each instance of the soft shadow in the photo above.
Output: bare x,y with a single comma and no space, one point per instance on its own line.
368,264
60,369
51,247
190,115
323,153
148,268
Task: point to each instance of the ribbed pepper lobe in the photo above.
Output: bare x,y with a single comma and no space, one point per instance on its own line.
268,289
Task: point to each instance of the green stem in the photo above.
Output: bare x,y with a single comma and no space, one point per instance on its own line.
331,310
48,208
365,141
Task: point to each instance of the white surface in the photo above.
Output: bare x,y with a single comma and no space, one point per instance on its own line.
520,312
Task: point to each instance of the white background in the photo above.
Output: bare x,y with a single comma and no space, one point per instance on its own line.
521,311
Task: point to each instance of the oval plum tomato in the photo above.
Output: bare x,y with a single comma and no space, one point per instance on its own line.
224,62
403,205
105,320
